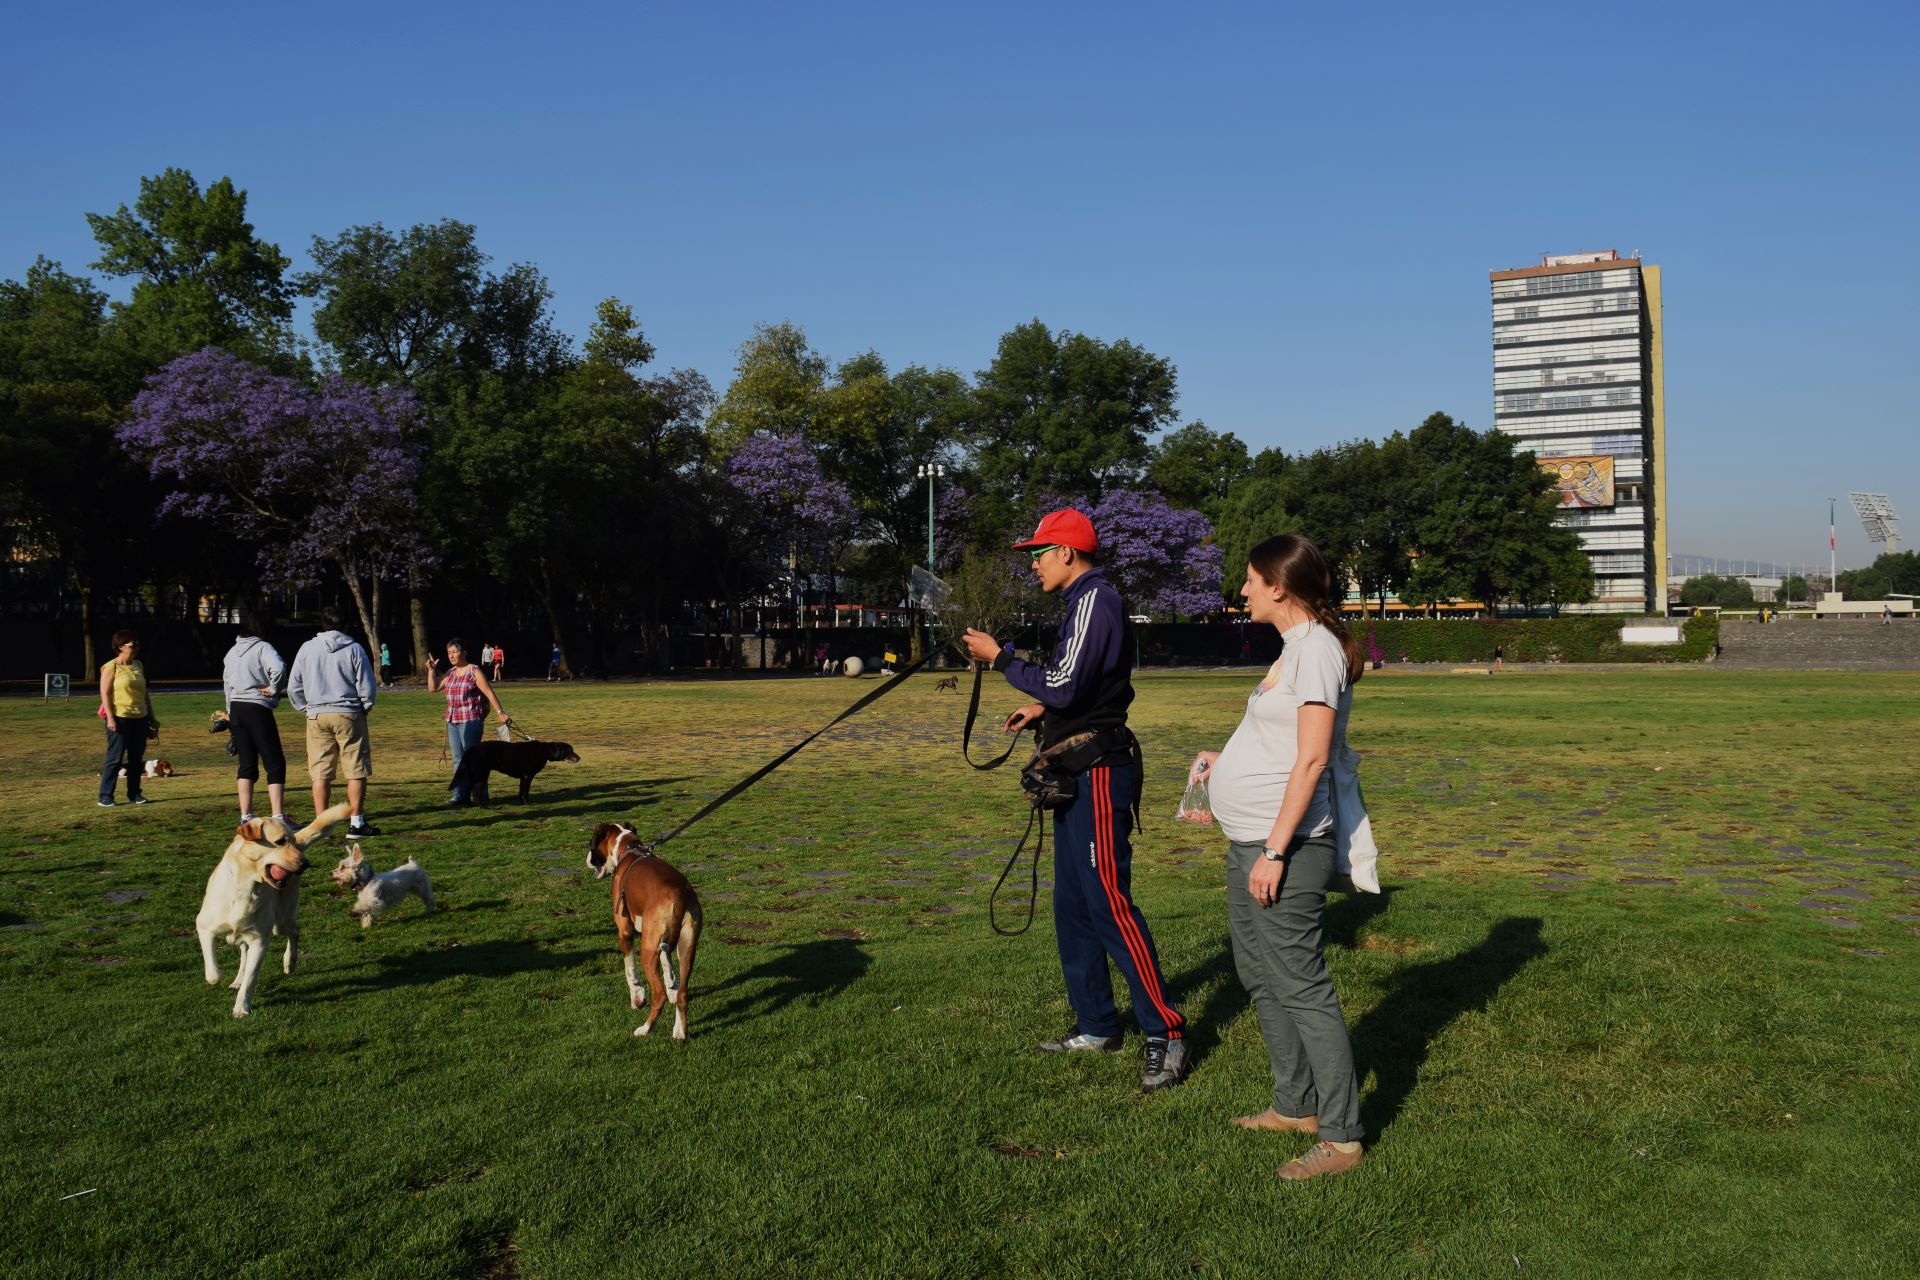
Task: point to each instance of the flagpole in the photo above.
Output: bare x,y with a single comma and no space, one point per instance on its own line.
1833,549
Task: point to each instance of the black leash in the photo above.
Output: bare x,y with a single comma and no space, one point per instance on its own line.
1033,818
794,750
973,713
1033,882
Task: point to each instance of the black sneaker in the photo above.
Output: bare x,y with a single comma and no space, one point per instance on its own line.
1078,1041
1166,1065
361,830
104,804
137,800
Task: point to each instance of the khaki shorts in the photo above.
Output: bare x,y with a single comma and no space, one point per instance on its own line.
337,745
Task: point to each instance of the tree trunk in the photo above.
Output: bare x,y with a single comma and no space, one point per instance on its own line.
368,622
544,589
417,616
86,627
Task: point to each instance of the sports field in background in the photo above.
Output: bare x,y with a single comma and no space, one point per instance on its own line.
1639,1000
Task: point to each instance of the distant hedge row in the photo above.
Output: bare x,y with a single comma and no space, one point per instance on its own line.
1582,639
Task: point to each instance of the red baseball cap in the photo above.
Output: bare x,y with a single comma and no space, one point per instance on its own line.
1066,528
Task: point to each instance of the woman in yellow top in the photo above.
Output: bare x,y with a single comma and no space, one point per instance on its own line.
129,717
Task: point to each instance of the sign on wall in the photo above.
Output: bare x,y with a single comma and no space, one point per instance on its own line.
1583,482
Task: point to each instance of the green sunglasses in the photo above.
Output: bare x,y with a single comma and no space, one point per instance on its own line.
1037,552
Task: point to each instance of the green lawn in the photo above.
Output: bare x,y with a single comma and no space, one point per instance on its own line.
1639,1002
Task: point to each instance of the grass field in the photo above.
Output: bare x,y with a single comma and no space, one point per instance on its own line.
1639,1001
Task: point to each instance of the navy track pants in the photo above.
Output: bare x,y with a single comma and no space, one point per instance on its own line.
1093,913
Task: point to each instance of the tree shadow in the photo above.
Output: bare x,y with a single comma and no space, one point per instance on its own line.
813,971
423,968
1394,1037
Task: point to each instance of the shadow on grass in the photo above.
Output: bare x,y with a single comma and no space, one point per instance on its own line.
1394,1037
813,971
565,802
477,960
1226,998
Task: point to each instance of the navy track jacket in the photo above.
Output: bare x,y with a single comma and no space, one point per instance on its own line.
1089,683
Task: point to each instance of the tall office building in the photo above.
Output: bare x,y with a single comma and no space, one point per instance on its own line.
1577,378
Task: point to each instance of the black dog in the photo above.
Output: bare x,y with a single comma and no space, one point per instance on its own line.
520,760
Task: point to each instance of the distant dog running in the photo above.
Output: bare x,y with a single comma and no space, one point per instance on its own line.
946,683
652,898
255,893
520,760
379,892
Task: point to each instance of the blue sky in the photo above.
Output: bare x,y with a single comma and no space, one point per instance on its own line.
1297,206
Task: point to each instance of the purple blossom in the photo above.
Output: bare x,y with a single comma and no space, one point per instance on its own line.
314,476
1162,557
789,499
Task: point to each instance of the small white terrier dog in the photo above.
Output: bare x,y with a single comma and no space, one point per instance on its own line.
381,891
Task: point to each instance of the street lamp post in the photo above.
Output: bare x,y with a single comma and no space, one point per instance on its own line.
928,471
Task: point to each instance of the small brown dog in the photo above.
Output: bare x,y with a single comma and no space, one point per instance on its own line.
948,682
522,760
651,897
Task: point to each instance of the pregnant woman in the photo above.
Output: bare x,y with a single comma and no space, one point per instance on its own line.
1274,797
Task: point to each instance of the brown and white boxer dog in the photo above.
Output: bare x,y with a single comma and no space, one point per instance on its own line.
654,900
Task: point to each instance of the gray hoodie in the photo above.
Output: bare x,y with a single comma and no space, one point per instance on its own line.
331,673
252,665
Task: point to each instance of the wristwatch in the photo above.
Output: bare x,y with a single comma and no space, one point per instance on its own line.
1272,854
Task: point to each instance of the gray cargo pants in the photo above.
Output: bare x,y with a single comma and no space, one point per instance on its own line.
1278,953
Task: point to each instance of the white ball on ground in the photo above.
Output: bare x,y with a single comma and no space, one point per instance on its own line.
853,667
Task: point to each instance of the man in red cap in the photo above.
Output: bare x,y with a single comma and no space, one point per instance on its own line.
1086,691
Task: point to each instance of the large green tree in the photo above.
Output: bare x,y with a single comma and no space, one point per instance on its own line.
202,277
1487,526
875,430
777,383
1195,467
75,509
1066,415
479,349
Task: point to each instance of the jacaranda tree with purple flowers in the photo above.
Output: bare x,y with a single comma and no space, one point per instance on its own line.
1161,557
318,478
797,514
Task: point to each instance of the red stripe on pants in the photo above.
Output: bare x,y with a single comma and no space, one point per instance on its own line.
1120,905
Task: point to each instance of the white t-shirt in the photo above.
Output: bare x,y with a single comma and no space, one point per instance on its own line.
1249,780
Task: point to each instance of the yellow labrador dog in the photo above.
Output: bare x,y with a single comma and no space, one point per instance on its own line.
255,893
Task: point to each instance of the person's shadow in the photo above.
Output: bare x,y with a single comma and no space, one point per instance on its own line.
1392,1039
1218,985
813,971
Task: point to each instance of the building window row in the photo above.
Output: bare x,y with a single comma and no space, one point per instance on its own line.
1536,402
1610,351
1586,376
1620,422
1613,300
1570,282
1560,330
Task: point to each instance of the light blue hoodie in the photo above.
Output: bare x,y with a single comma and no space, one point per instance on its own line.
252,665
331,673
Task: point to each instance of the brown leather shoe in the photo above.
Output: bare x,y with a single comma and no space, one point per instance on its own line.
1321,1159
1273,1120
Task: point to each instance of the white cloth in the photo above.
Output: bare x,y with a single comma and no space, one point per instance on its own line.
1248,782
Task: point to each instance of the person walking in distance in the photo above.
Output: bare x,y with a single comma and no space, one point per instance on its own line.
1084,693
1286,794
252,674
468,697
499,661
332,682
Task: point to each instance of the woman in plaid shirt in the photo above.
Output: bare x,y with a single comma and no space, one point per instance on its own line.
468,695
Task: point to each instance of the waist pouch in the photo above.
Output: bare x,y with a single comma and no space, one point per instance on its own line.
1051,778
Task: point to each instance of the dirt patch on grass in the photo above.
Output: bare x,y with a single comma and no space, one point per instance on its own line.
1391,946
